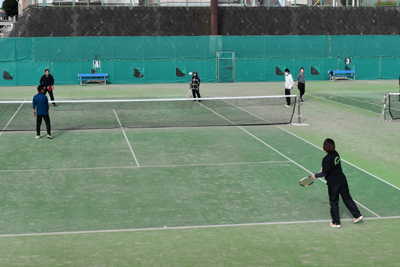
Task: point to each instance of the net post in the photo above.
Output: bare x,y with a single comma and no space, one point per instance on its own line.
298,109
299,115
384,102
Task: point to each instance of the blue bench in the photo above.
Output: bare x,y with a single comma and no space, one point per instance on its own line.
341,74
93,77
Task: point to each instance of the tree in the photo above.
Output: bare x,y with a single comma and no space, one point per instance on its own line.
10,7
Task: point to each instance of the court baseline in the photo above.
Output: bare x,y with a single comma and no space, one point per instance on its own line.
187,227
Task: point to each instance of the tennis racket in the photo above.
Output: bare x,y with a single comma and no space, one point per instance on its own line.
50,88
189,94
306,181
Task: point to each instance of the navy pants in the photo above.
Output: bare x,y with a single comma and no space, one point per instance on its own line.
341,189
46,119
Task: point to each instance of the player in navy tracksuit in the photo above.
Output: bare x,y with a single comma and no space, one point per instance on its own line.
195,85
40,105
337,184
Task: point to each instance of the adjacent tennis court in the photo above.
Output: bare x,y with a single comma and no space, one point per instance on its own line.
215,195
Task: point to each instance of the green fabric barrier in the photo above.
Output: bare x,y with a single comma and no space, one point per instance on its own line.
169,59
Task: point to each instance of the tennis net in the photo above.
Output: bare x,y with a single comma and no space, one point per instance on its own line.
394,105
151,113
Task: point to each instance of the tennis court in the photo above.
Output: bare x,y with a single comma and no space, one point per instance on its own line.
204,196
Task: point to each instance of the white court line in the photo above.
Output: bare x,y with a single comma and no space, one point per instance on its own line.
355,99
279,152
188,227
127,140
256,138
360,204
319,148
344,104
380,179
152,166
12,117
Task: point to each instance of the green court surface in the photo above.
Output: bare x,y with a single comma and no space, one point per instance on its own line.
201,196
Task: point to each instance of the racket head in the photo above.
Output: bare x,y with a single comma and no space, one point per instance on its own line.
306,181
189,94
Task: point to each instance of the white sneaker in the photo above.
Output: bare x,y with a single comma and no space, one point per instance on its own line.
49,136
334,225
288,106
356,220
37,136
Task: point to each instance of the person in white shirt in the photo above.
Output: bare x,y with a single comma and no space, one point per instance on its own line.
288,86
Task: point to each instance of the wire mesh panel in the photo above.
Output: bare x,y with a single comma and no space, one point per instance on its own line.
226,67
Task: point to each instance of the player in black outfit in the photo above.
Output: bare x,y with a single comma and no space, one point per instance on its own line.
47,81
337,184
195,85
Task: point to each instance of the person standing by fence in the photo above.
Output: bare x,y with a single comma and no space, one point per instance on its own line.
195,85
288,86
301,83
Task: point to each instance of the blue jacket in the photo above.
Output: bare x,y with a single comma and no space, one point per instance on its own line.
41,103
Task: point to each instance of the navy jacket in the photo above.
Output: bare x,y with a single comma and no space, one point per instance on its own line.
41,103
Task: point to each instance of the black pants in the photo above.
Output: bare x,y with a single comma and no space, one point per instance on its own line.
343,190
287,92
50,93
302,89
39,123
196,92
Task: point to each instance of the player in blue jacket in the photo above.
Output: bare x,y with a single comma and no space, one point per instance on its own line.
41,111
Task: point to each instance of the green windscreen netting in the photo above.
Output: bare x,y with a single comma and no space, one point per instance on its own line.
164,59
